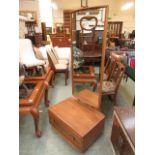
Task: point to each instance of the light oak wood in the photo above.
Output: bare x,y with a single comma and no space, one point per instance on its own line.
102,54
78,125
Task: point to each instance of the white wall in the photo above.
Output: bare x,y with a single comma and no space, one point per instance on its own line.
58,16
128,16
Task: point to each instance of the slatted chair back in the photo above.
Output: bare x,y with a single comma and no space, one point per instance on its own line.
117,74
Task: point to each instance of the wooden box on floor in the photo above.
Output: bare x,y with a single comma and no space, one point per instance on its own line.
123,130
79,125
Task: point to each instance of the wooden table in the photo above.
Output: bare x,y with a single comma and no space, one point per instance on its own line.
47,78
123,130
79,125
30,103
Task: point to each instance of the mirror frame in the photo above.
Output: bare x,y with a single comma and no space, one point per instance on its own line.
106,7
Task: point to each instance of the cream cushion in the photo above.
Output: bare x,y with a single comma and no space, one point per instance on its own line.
53,56
43,52
27,55
105,76
60,66
63,52
38,53
63,62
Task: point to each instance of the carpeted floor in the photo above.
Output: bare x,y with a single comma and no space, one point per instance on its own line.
52,144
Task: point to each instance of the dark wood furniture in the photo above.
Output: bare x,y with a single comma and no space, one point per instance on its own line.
88,44
29,101
30,25
130,72
67,21
79,125
115,29
123,130
109,68
75,42
85,74
35,38
61,40
110,86
44,33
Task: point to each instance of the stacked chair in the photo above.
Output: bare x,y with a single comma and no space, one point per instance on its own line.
58,66
58,63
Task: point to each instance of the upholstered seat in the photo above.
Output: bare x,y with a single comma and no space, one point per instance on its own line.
60,66
62,53
105,76
26,54
108,86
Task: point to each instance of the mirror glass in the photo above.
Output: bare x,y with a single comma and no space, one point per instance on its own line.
88,26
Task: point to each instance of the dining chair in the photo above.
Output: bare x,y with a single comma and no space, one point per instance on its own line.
110,87
109,67
56,66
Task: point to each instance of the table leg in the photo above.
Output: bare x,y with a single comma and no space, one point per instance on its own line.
35,114
46,97
134,101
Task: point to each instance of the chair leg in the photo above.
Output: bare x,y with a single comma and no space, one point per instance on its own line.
114,99
46,97
66,75
51,80
44,69
94,86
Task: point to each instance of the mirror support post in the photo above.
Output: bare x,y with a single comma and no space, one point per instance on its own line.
103,53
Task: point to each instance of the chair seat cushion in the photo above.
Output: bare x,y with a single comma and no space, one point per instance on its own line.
108,86
63,62
60,66
32,62
63,52
43,52
105,76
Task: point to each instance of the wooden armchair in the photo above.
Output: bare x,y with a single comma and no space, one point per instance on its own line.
56,66
110,87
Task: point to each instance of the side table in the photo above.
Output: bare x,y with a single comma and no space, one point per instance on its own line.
29,101
123,130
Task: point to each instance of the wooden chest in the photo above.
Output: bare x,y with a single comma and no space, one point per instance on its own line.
123,130
79,125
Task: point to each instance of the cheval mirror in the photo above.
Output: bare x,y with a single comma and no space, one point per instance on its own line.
88,35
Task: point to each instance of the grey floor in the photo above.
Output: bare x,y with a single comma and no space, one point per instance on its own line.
52,144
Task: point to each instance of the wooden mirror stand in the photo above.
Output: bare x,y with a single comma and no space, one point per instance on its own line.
86,50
